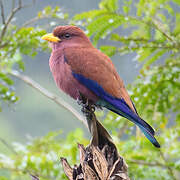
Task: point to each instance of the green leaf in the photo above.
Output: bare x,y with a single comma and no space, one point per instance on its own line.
110,5
154,57
177,2
5,78
109,50
177,25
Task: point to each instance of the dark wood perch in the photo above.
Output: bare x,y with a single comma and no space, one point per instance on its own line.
100,160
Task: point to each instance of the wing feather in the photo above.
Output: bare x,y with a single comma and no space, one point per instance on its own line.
94,65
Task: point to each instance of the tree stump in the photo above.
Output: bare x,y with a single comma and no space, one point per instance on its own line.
100,160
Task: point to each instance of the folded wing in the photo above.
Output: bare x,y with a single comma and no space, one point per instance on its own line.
95,71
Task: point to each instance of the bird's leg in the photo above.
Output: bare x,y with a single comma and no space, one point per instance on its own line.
81,100
84,102
88,107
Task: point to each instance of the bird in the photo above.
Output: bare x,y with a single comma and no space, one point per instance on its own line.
80,68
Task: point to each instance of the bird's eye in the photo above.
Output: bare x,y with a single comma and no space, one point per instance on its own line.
67,35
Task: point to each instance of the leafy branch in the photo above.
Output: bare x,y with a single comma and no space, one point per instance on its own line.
155,164
170,169
9,18
22,40
29,172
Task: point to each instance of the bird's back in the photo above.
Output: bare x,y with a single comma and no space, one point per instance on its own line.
94,65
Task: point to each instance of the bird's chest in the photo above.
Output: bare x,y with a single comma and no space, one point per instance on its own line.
61,72
64,79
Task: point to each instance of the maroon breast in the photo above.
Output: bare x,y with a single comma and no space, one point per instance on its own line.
64,79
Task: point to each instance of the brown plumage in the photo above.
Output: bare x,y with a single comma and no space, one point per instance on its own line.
96,66
79,68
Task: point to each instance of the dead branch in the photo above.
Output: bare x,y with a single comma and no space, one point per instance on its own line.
100,160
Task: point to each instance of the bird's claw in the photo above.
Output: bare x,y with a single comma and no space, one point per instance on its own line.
86,112
87,106
82,100
93,108
79,101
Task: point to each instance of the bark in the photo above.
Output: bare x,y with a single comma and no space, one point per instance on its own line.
100,159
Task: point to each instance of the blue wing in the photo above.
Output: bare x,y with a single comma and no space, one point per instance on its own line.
118,106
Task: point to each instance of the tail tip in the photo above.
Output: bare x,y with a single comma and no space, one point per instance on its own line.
157,145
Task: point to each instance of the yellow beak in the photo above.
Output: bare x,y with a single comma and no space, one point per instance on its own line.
50,37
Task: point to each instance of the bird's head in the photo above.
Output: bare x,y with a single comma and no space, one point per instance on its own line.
67,36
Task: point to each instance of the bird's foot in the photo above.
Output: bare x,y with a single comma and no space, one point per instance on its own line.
82,100
87,105
79,101
87,112
88,109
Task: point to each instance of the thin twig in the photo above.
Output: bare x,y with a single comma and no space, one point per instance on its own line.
4,45
8,146
154,23
49,95
15,169
34,177
9,18
156,164
147,163
170,170
27,172
33,20
2,12
159,26
123,48
13,4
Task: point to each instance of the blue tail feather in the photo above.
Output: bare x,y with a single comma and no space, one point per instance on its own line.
135,119
150,137
118,106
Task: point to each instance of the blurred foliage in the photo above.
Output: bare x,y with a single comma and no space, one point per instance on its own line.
151,28
42,156
17,41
